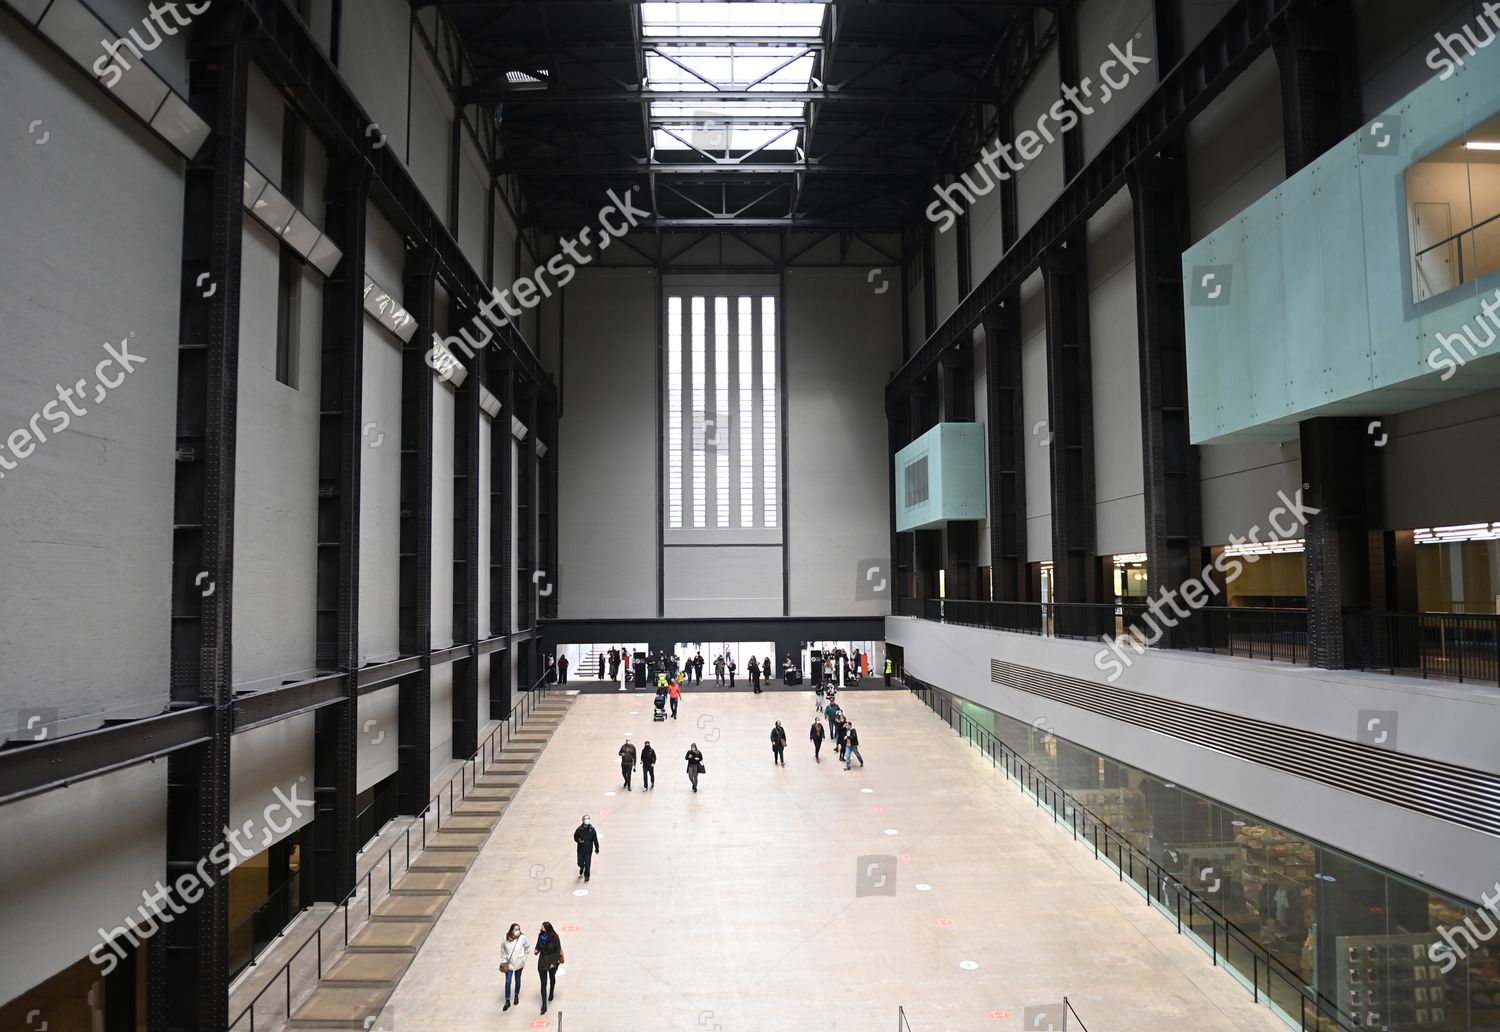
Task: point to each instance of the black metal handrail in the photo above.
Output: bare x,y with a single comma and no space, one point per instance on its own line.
519,711
1465,646
1315,1012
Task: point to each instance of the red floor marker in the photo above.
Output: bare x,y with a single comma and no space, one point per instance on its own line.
904,856
998,1015
877,809
943,922
570,928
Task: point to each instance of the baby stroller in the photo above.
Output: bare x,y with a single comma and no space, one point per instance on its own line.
660,713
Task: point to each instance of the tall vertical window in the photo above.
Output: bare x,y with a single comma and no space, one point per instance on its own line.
721,397
746,435
700,402
768,406
723,417
674,411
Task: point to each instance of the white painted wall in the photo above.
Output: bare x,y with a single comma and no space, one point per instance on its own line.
1041,180
1129,25
430,132
1437,721
85,517
722,581
945,260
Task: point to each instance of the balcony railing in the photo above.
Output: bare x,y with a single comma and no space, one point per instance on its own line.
1454,646
1278,634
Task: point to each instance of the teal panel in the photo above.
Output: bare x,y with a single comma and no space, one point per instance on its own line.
940,477
1302,305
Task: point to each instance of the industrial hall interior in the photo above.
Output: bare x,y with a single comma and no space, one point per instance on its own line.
455,450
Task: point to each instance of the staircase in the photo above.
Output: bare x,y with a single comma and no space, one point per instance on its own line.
355,988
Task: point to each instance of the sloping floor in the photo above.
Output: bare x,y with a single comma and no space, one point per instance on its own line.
753,905
355,987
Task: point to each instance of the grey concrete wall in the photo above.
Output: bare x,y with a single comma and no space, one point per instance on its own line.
67,883
262,760
374,51
1436,721
1129,25
1392,39
1039,183
440,741
1430,464
1116,380
1037,425
607,490
87,512
443,416
842,343
379,736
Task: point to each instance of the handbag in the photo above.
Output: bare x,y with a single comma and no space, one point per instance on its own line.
701,768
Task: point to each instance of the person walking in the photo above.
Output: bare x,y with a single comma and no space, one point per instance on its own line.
732,668
887,671
614,663
778,744
627,762
832,712
601,666
648,767
694,764
562,670
587,841
698,668
841,735
765,669
816,735
851,747
719,671
625,659
549,954
513,962
674,693
755,674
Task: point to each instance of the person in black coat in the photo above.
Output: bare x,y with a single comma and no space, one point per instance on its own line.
648,766
816,734
765,669
694,764
778,744
587,841
549,954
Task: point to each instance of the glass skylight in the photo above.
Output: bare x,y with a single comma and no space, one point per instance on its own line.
709,60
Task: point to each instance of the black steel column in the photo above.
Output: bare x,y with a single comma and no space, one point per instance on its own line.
1067,72
414,766
466,424
1172,503
498,376
1006,429
188,963
526,407
964,249
1075,575
1319,79
1342,478
341,457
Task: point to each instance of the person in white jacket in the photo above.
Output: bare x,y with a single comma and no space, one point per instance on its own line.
513,961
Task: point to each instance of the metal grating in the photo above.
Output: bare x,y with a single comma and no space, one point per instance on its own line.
1458,795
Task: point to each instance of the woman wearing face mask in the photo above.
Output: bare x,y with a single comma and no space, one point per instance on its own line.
549,954
513,962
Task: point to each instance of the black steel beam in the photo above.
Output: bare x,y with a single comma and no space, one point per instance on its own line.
188,967
1172,502
1315,54
489,94
340,458
33,768
1241,36
1006,428
414,745
258,708
1070,422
